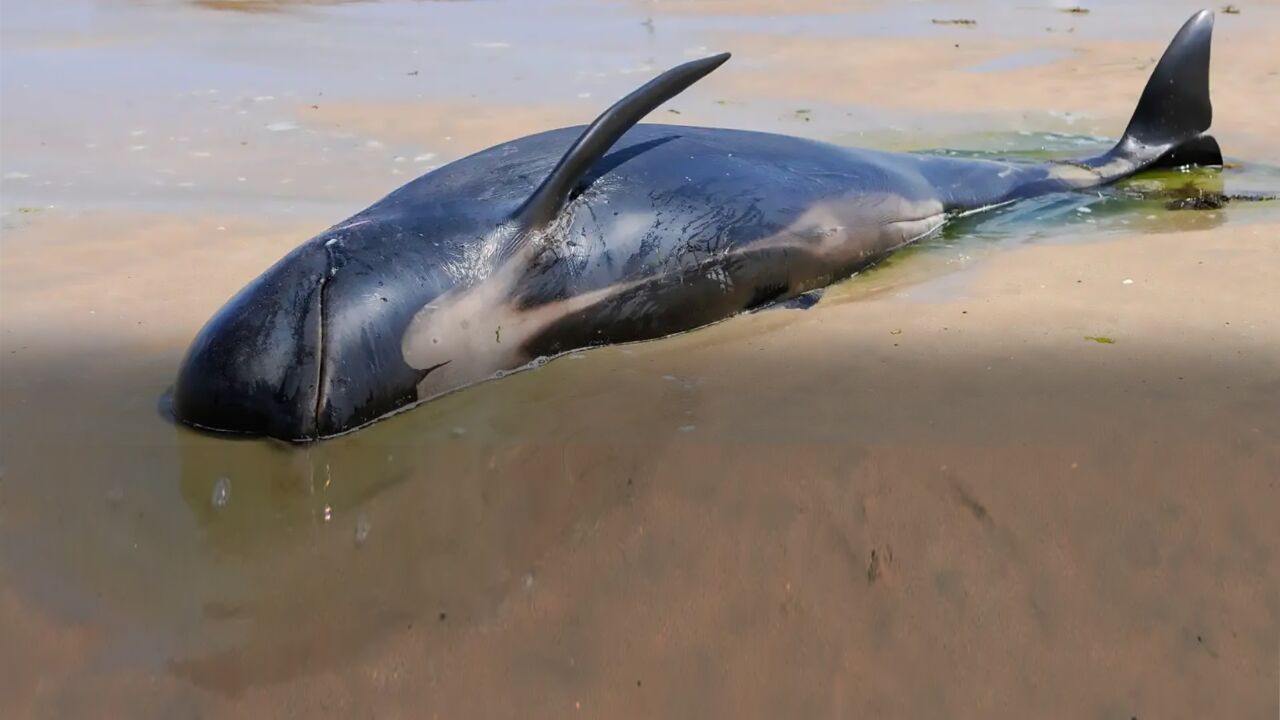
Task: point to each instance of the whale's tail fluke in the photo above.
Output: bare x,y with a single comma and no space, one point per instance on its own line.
1175,106
1168,127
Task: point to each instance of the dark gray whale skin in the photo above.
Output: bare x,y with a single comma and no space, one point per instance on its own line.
475,268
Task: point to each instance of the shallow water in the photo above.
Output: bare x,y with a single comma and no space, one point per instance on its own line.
901,501
1136,205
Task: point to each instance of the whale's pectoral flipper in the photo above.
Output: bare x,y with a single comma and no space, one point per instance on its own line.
547,201
1174,111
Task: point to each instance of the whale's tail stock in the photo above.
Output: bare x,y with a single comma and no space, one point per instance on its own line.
1168,128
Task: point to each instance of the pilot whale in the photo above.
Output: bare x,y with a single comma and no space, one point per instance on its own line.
614,232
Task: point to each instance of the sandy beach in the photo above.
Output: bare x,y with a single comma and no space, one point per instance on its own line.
1022,470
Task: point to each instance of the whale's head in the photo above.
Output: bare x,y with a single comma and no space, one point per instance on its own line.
313,346
255,366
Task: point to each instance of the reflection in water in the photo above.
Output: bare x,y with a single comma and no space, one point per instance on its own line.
435,516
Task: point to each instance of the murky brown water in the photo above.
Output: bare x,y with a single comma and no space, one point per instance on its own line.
928,496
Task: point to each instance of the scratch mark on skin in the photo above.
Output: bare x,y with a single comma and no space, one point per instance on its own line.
348,226
1083,176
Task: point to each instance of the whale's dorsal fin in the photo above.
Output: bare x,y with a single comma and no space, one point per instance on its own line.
547,201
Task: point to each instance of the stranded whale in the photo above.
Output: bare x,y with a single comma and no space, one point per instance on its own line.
612,233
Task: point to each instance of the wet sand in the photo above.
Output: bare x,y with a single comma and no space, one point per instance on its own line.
936,493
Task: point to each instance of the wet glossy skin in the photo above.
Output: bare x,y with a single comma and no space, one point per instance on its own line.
707,222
